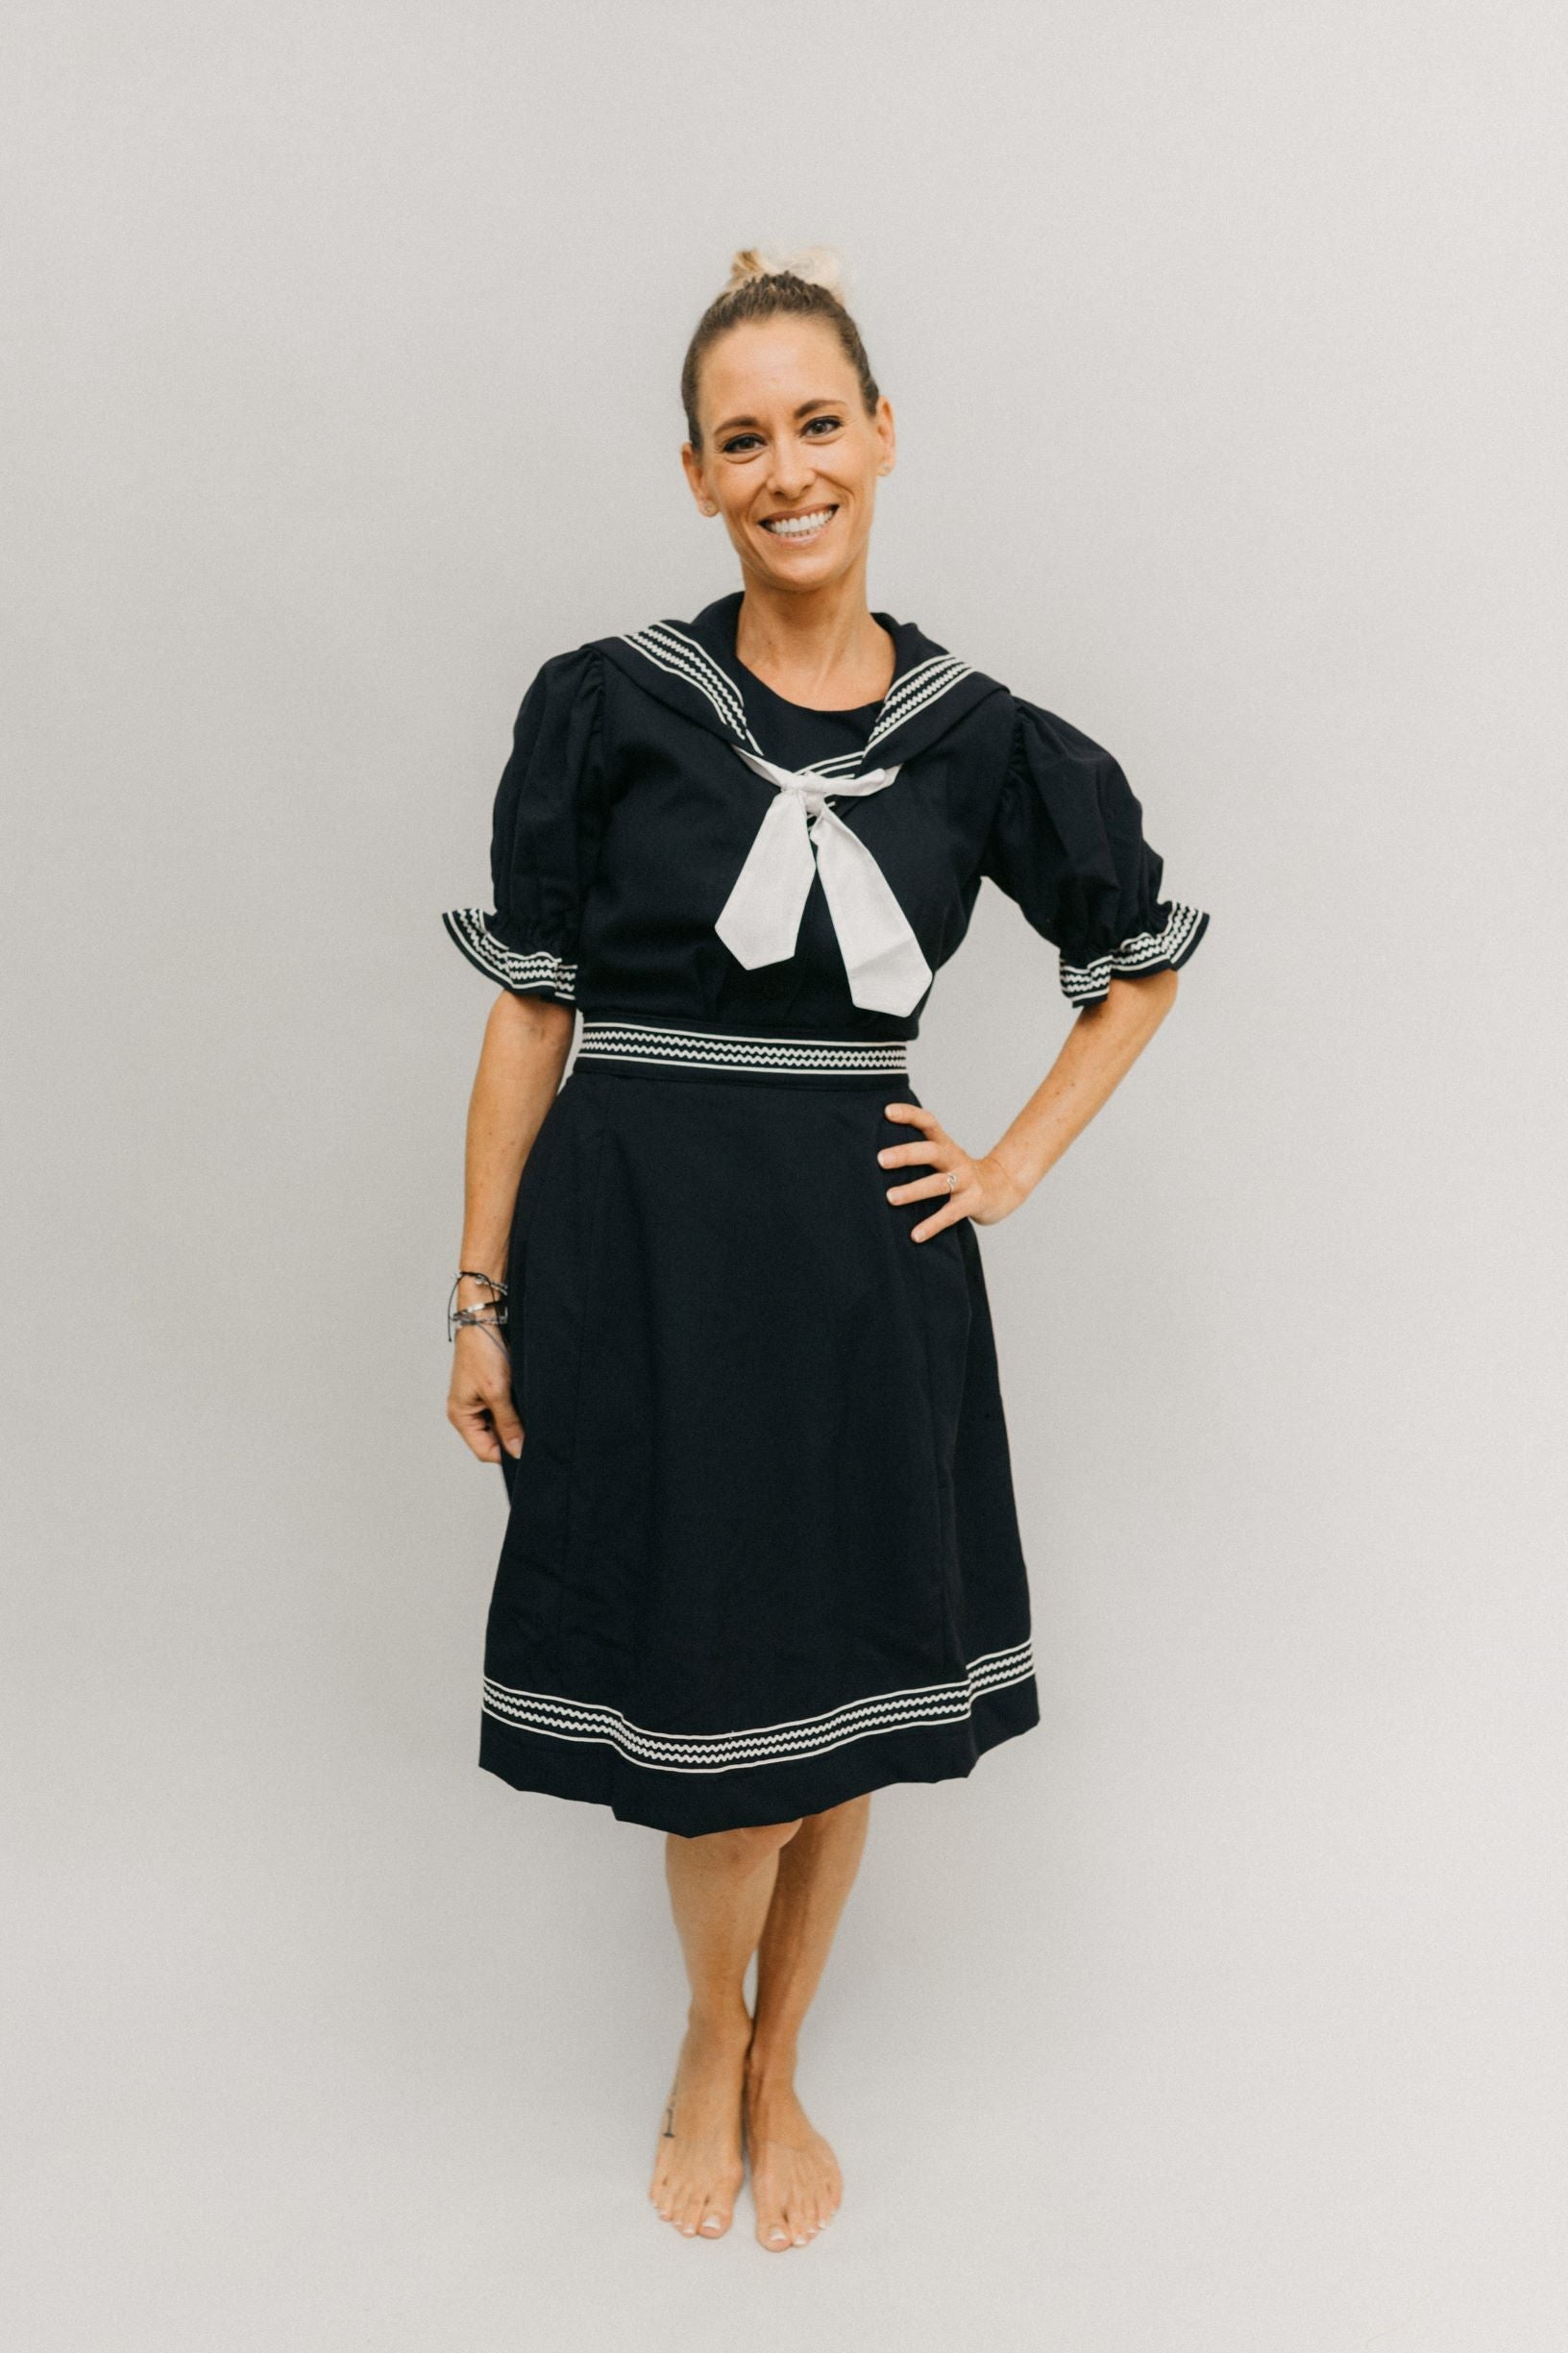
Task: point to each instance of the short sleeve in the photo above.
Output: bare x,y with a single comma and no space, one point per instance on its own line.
549,814
1067,844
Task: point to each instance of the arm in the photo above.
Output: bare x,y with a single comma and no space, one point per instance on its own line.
1099,1049
527,1040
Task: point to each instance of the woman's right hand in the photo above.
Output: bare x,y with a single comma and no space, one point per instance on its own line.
479,1400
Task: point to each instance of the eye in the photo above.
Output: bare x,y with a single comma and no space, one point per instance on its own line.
832,423
730,446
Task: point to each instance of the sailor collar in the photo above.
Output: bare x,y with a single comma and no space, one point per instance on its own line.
691,667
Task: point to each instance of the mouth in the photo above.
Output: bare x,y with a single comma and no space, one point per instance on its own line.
803,530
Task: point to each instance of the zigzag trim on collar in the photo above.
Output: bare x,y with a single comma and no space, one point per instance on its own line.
916,690
673,651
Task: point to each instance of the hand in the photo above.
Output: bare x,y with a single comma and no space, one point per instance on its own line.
984,1191
480,1401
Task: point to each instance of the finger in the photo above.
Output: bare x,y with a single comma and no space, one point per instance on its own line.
949,1214
508,1429
473,1426
915,1114
901,1155
922,1188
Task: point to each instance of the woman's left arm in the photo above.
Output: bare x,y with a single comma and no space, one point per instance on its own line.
1099,1049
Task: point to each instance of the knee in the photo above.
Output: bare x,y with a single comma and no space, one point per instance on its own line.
742,1850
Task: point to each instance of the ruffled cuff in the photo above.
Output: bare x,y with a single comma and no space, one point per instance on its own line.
526,973
1147,951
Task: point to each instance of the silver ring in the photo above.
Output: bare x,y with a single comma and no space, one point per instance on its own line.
952,1180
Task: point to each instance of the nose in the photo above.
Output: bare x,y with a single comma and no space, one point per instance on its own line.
791,473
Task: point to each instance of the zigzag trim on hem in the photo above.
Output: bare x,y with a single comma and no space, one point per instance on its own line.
1151,951
770,1743
514,969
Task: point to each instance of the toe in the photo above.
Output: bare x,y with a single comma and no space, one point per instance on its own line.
715,2222
771,2229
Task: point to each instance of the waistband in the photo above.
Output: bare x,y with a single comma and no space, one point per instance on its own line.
648,1049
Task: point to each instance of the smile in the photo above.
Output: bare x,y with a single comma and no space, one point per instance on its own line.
801,528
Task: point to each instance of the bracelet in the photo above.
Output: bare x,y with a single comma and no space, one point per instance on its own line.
492,1314
473,1316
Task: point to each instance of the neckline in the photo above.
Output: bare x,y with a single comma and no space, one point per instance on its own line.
811,710
729,620
691,665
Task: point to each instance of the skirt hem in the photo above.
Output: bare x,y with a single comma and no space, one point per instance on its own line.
747,1798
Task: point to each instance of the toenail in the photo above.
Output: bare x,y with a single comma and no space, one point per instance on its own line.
777,2234
802,2240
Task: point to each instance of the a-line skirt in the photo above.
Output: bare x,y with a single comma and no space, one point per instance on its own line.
761,1552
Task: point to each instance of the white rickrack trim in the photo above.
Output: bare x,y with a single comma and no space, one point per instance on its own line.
723,1050
511,967
768,1744
672,649
926,684
1151,951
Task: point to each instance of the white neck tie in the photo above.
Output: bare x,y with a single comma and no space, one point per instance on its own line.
761,919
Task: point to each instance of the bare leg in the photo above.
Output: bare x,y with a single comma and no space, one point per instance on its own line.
720,1888
796,2182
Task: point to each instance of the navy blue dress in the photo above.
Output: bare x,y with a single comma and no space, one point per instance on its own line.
762,1552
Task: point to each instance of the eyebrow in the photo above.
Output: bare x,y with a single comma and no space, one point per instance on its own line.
822,400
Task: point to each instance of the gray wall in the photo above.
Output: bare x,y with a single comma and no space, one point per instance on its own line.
339,369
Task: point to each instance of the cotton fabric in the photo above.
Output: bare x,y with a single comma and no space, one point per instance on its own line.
762,1551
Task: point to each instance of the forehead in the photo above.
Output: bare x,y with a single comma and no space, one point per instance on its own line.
773,363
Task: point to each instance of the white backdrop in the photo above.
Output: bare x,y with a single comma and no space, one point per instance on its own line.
339,372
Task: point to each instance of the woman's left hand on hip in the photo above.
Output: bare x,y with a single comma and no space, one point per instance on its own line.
979,1189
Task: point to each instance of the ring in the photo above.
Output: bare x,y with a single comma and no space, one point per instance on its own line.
952,1180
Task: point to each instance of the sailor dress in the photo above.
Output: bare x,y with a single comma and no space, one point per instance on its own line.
761,1552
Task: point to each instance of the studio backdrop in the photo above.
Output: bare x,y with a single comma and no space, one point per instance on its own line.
340,390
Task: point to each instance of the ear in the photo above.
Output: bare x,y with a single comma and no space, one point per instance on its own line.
887,436
691,465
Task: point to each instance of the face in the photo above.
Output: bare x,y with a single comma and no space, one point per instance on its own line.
785,434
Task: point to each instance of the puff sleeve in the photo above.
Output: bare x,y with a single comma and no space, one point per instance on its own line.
1067,844
547,818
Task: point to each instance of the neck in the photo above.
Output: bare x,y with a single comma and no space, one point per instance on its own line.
816,645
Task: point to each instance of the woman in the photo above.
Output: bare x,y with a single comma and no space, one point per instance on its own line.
721,1316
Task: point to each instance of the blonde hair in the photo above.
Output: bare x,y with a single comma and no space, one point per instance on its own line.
815,265
761,285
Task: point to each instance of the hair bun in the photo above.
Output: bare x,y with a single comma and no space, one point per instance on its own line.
817,265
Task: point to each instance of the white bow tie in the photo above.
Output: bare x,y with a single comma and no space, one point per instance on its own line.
761,919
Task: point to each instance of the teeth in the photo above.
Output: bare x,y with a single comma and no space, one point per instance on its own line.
796,526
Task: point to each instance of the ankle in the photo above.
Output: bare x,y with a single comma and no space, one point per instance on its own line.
770,2062
719,2021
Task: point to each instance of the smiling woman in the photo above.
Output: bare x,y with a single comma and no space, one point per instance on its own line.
800,438
723,1316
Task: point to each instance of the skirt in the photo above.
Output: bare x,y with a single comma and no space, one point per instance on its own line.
761,1554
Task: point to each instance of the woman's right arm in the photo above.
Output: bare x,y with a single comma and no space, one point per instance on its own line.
527,1040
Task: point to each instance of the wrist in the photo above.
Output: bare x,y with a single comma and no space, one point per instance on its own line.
479,1279
1013,1175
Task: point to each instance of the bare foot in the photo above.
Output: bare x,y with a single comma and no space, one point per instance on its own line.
699,2167
796,2182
